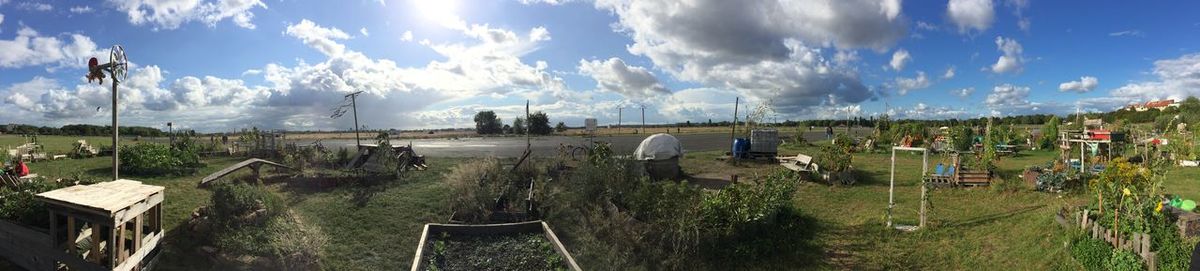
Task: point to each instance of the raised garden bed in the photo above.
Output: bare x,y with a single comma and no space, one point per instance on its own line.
511,246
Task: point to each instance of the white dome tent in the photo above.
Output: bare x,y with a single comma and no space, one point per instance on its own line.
660,154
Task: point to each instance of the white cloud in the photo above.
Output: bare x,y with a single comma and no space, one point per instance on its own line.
949,73
923,25
407,36
301,96
963,92
1011,99
1085,84
1178,78
170,14
81,9
899,59
539,34
29,48
925,111
615,76
34,6
1127,33
364,32
903,85
318,37
1011,58
765,50
1019,7
971,14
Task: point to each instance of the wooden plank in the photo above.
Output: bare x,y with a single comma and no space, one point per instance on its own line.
135,259
136,209
239,165
96,243
71,236
137,232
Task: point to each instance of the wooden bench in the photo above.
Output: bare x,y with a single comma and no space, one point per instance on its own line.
799,163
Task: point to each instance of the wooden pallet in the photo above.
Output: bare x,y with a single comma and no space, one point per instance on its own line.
974,178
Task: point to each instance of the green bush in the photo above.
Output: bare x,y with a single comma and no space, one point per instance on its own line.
749,221
233,203
18,203
159,159
1122,260
1093,254
835,157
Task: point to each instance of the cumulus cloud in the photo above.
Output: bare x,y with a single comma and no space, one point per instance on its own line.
766,50
949,73
300,96
29,48
1011,99
899,59
34,6
971,14
1011,58
170,14
407,36
320,38
364,32
1085,84
903,85
926,111
615,76
1178,78
963,92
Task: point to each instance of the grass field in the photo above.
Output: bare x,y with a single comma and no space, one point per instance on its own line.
64,144
376,227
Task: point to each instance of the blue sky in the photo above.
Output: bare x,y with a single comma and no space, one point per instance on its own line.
221,65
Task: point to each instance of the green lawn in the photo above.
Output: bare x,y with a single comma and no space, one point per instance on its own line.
968,227
64,144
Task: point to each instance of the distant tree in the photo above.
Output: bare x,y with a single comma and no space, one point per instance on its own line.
507,129
561,127
518,126
539,124
487,123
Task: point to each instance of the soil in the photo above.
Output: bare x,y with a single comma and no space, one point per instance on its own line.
525,251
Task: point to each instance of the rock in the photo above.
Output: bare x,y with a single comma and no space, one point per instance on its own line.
207,250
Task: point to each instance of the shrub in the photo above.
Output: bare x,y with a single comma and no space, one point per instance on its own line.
238,204
748,221
158,159
476,185
1123,260
1093,254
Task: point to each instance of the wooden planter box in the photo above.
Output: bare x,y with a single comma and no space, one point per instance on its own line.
1139,244
433,229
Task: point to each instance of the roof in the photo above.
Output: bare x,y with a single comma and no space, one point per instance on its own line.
103,198
1162,103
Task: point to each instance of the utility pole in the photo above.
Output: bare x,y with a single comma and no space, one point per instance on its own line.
619,119
643,118
733,128
354,107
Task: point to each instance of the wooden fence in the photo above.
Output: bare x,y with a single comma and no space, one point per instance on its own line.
1139,244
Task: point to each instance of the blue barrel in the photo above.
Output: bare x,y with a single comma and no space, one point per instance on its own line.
741,147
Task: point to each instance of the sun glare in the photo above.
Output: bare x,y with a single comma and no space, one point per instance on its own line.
442,12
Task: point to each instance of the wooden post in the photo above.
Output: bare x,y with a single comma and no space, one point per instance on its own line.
137,232
71,235
96,240
119,254
54,243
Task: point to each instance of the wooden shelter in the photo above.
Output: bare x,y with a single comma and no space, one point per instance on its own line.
114,225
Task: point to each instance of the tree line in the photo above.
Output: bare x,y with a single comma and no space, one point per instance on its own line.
80,130
487,123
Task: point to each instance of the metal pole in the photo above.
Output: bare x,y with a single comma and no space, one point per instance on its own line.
733,128
619,119
924,188
116,158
